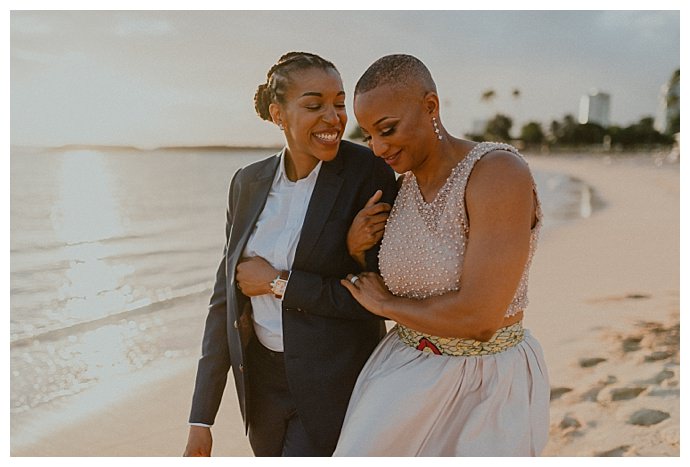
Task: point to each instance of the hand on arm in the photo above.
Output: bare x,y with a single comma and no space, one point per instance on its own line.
370,291
500,207
367,228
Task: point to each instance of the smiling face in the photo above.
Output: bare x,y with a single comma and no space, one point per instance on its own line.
396,122
312,114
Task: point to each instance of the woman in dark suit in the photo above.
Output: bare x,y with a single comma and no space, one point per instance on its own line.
279,317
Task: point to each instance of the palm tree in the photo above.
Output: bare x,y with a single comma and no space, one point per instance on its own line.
517,110
488,95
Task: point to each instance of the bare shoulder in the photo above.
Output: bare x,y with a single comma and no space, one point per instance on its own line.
500,171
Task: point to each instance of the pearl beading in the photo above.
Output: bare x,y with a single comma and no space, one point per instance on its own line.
423,248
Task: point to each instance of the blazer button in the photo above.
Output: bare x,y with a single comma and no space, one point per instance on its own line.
235,325
241,368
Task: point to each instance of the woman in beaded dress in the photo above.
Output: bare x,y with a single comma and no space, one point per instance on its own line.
458,375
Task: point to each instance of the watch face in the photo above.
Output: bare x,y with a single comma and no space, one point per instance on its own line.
279,287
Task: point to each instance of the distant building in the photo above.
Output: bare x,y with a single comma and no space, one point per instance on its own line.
669,105
595,107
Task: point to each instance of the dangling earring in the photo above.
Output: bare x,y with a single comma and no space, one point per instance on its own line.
436,129
280,125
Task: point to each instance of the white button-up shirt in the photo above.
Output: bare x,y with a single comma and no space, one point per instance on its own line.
274,238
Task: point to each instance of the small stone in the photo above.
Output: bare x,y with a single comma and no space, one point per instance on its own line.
556,393
648,417
616,452
590,362
658,355
622,394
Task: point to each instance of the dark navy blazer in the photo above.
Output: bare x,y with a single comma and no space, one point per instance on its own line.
327,335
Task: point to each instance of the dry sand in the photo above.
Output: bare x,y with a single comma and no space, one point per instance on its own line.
604,298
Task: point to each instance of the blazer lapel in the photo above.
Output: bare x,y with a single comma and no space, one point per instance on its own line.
251,205
322,201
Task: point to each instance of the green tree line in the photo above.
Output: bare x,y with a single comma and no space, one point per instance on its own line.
569,132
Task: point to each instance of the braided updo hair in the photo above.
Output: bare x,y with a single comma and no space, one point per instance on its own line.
278,79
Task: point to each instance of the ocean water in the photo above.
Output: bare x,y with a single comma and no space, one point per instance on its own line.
113,254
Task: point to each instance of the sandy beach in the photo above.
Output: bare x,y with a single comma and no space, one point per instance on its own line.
604,303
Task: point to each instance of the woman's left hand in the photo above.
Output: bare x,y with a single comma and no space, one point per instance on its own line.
369,290
254,276
367,228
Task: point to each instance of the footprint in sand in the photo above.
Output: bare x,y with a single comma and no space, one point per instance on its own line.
590,362
658,355
610,379
664,393
616,452
592,395
569,423
556,393
648,417
631,344
624,394
659,378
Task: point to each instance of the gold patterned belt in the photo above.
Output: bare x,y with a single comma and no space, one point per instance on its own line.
503,339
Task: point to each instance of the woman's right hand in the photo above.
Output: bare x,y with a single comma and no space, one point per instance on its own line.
367,227
369,289
199,442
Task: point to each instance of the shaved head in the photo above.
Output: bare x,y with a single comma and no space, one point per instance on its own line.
396,70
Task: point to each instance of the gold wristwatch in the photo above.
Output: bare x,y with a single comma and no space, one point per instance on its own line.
279,284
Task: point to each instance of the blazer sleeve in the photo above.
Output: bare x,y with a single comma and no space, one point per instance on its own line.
325,296
214,363
384,179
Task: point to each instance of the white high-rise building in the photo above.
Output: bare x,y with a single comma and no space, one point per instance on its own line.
595,107
669,105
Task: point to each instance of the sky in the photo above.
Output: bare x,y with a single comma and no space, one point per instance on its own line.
163,78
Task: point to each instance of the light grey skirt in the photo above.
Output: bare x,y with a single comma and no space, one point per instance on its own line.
412,403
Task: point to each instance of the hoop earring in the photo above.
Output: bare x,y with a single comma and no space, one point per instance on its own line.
436,129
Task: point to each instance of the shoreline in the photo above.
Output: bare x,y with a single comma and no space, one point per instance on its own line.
583,277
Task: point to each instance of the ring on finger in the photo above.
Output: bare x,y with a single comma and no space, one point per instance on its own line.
354,279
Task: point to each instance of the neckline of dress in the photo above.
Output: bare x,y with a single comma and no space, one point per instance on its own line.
446,184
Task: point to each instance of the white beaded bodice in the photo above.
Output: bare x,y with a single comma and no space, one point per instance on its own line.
424,243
